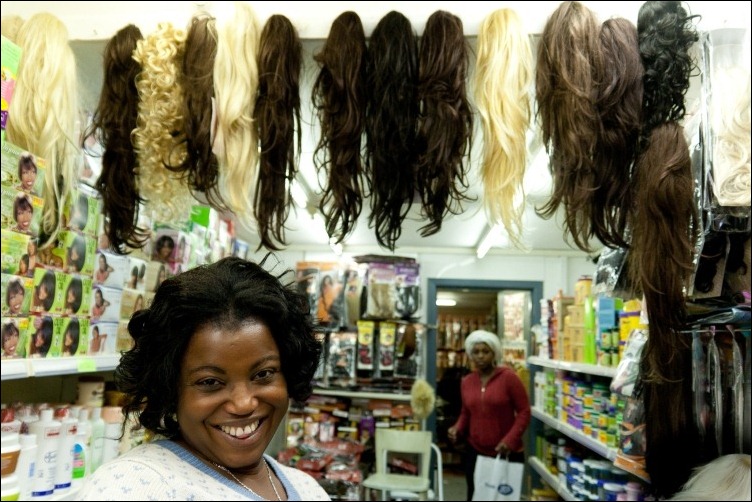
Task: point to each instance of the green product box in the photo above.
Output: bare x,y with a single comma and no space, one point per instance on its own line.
81,211
16,294
21,212
71,336
14,337
21,170
48,297
77,295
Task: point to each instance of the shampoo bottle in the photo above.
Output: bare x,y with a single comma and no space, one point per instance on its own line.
27,462
68,432
97,438
47,431
81,458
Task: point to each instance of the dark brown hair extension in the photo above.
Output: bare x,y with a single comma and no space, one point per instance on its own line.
200,167
112,123
391,121
446,121
277,114
619,106
666,33
339,96
565,92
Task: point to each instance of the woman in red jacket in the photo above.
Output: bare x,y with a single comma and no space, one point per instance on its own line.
495,406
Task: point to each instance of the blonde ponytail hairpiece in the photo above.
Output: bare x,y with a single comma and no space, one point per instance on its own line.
159,129
43,115
502,86
235,87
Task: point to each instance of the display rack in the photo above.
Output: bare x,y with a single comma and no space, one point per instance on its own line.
550,479
358,394
14,369
588,369
592,444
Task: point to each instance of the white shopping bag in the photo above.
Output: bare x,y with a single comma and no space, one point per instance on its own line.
497,479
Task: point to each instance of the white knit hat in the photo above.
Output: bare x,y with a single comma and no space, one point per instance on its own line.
482,336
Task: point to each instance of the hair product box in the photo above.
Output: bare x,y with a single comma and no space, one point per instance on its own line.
136,274
110,269
15,251
11,56
48,291
156,273
106,304
40,338
14,336
17,292
170,246
21,170
132,301
74,253
21,212
71,335
124,340
77,295
102,338
81,211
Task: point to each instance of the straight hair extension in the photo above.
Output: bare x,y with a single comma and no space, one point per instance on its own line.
43,115
236,83
339,96
619,105
277,114
503,77
445,124
391,122
158,135
565,92
200,168
666,34
112,124
11,25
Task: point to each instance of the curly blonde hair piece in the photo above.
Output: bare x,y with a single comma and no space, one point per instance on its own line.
159,128
43,115
502,85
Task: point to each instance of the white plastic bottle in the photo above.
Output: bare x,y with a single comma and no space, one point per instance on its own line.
97,438
27,462
64,469
81,459
48,439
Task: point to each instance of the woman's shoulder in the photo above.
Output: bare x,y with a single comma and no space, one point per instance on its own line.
306,486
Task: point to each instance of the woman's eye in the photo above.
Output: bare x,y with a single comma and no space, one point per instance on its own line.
266,374
208,382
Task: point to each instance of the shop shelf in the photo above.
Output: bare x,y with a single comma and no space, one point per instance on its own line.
589,369
550,479
566,429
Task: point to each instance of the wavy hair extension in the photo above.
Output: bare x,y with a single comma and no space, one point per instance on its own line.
339,96
565,92
666,34
445,124
503,77
11,25
158,135
200,167
43,115
236,82
391,122
113,123
277,114
619,105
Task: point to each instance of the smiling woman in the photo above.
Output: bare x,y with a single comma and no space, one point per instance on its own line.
217,356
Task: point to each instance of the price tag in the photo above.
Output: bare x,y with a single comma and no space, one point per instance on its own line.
86,364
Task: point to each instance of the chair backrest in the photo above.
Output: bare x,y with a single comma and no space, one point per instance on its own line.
398,441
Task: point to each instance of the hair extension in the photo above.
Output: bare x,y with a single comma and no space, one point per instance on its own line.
713,251
666,33
730,111
158,135
391,121
113,122
565,92
235,87
339,96
11,25
503,76
277,114
42,117
727,477
200,166
446,123
619,105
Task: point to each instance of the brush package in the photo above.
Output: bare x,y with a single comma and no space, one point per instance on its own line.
407,350
387,334
341,359
407,289
365,362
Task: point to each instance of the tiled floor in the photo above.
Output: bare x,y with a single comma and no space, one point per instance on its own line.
455,487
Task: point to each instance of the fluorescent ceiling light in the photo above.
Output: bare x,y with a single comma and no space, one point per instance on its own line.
445,302
496,236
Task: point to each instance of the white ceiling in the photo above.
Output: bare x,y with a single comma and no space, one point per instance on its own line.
91,24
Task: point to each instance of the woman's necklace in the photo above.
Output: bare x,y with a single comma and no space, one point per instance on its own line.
268,473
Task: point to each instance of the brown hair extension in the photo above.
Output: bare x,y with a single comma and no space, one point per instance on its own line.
619,106
391,121
339,96
565,92
277,113
200,166
113,121
446,121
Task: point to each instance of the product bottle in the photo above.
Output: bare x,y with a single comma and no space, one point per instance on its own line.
97,438
113,427
68,432
27,462
81,450
48,439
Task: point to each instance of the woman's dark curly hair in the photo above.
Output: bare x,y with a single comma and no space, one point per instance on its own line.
666,33
225,293
339,97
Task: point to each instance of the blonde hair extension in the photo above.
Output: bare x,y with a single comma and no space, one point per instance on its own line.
159,119
724,478
502,84
235,87
43,115
731,136
10,27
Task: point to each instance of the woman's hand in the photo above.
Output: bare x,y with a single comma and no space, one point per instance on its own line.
452,433
503,449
